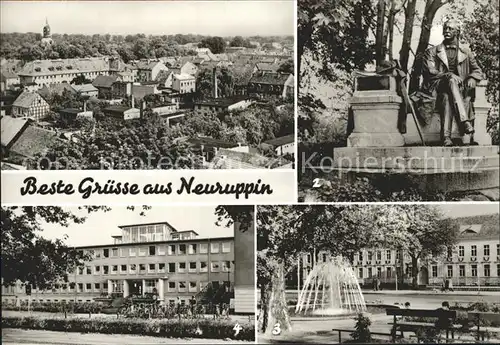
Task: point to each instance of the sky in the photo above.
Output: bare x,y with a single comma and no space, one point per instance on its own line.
214,18
462,210
100,226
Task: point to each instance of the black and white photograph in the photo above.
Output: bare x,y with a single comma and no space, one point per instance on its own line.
128,275
398,100
378,273
142,85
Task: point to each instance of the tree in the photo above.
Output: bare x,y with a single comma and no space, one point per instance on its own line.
80,80
217,45
24,249
205,85
286,67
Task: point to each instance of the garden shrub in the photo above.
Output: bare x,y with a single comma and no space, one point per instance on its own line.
213,329
362,332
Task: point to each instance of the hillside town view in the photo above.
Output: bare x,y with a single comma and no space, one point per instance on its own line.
144,101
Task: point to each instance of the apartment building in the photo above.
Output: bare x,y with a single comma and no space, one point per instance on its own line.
473,261
152,258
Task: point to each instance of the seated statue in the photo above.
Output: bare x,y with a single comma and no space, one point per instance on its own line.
450,74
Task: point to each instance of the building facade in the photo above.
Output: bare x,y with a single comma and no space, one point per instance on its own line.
152,258
473,262
184,83
30,105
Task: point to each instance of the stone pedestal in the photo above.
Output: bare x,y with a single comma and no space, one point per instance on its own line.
481,107
161,289
110,287
375,107
446,169
126,290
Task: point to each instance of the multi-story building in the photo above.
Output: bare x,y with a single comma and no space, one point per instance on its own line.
156,258
148,70
47,72
474,261
184,83
269,84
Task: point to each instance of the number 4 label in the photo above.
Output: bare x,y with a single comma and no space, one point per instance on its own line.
237,328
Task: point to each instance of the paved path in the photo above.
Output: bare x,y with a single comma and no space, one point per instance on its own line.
12,336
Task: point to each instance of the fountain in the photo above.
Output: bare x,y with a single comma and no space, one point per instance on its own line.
331,288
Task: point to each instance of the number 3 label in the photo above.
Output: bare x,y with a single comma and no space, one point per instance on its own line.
277,329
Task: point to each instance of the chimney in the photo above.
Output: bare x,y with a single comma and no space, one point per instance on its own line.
215,82
133,101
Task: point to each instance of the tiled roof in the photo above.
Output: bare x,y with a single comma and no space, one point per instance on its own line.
163,76
55,89
183,76
60,66
33,140
147,65
84,88
104,81
11,127
117,108
287,139
26,99
479,227
268,67
270,78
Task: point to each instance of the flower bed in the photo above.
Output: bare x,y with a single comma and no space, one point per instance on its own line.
213,329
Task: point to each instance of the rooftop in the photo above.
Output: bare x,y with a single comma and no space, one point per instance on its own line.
26,99
33,140
287,139
61,66
479,227
104,81
270,78
11,127
223,101
84,88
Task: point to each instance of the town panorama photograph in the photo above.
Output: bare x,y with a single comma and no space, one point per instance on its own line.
147,85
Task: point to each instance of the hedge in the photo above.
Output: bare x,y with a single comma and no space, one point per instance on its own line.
212,329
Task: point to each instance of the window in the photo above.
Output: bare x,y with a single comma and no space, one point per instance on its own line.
123,268
449,252
379,255
192,249
97,269
161,250
379,272
114,252
142,267
486,250
360,257
203,248
324,257
151,268
152,250
80,287
123,252
450,271
132,251
171,267
498,249
434,271
105,286
97,286
215,267
182,267
486,270
105,252
105,269
370,272
114,270
171,249
226,266
203,266
182,249
182,286
214,247
171,286
88,270
88,287
161,268
360,272
192,286
498,270
389,272
474,270
117,286
192,266
388,255
80,271
150,285
461,250
461,271
142,251
473,251
370,256
226,247
133,268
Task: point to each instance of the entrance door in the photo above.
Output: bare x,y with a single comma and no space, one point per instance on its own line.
423,276
135,287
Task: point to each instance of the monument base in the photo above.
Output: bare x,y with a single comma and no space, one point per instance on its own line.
375,140
433,168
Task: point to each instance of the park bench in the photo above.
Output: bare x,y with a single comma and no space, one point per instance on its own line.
349,331
413,326
484,317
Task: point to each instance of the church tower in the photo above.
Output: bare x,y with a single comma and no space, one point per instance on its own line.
47,36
